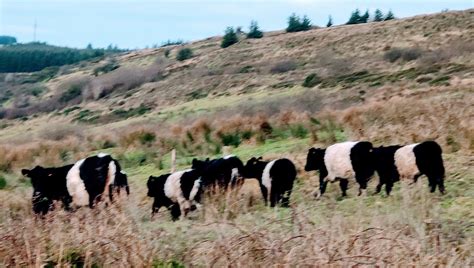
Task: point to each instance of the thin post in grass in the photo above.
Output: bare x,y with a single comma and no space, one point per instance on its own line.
173,160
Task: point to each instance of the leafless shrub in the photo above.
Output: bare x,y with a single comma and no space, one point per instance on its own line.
332,65
283,67
407,54
61,132
124,79
444,54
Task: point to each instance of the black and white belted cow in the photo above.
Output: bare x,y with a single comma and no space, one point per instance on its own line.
81,184
408,163
179,191
351,160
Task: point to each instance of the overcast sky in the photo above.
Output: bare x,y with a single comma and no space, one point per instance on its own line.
140,23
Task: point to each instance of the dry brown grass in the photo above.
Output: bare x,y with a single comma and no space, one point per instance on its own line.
408,229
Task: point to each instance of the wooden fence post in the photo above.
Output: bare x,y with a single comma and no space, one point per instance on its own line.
173,160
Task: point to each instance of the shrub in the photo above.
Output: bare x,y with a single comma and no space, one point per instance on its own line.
87,116
297,24
247,69
167,53
140,110
230,139
441,81
407,54
106,68
184,54
283,67
71,93
134,158
146,138
254,31
393,54
172,43
312,80
410,54
3,183
230,38
298,131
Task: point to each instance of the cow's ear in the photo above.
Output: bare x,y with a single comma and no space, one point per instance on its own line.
207,159
260,158
25,172
194,161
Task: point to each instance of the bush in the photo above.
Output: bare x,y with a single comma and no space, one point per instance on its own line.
283,67
410,54
172,43
298,131
3,183
297,24
393,54
184,54
312,80
72,93
230,38
407,54
230,139
140,110
254,31
146,138
106,68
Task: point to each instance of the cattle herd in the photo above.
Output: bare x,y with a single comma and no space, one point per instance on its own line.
96,178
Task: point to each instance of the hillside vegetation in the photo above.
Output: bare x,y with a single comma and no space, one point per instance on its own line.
398,81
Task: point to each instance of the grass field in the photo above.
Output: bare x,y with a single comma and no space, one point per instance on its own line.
233,101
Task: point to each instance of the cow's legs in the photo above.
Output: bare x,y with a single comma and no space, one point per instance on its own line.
343,184
264,193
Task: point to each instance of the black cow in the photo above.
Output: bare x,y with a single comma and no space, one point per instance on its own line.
221,172
180,192
342,161
80,184
409,162
275,177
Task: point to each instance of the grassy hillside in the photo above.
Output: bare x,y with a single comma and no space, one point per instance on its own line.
398,81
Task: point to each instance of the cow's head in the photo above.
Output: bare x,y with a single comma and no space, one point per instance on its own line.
253,168
315,159
200,164
153,185
39,180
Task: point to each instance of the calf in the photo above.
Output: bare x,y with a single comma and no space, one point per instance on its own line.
80,184
222,172
342,161
275,177
394,163
180,192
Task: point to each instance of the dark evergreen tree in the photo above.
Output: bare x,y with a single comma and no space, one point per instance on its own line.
378,15
389,16
364,18
293,23
305,24
89,46
230,38
296,24
355,17
254,31
329,24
